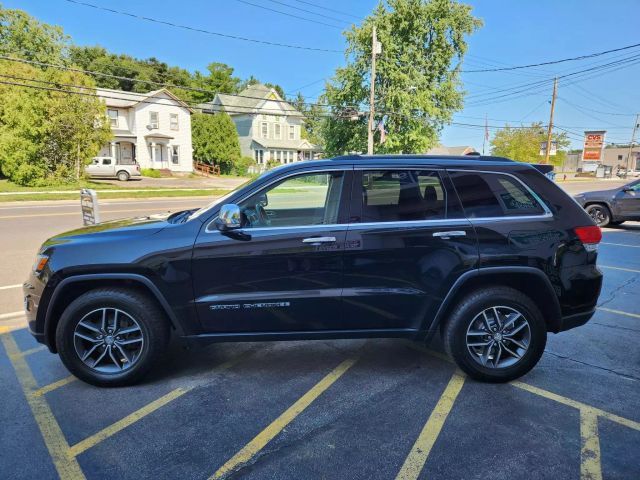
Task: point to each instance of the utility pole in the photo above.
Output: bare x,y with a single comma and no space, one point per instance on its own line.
375,47
633,139
550,131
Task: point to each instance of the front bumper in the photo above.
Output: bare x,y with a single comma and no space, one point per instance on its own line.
32,291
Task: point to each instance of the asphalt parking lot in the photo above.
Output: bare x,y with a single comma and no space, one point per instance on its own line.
339,409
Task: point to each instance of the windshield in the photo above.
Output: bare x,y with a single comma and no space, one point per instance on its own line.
219,200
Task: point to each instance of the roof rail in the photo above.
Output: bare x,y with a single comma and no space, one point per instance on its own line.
468,156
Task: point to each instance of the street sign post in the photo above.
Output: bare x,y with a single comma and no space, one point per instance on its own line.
89,206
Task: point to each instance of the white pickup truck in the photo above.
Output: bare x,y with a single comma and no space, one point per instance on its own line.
102,167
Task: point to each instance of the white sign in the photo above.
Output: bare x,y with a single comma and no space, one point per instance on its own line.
554,148
89,206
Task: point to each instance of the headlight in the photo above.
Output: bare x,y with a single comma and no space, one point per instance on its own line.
40,263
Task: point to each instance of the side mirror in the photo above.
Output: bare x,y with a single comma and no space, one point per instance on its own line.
229,218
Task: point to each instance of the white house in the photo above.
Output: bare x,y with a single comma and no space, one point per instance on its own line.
152,129
268,126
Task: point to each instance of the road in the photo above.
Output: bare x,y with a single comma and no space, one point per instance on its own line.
358,409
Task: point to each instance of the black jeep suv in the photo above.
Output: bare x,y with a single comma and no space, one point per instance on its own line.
488,251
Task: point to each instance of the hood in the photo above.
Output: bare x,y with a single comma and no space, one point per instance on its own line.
126,227
598,193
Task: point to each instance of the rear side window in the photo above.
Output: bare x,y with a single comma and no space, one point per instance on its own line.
402,195
493,195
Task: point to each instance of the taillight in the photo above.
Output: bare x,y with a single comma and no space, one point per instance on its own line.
590,236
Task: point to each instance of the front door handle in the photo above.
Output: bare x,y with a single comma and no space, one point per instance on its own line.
318,240
452,233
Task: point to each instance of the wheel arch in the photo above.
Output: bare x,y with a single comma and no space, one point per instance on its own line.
72,287
528,280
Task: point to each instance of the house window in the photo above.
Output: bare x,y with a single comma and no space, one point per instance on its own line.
292,132
175,154
113,118
277,133
154,120
619,158
264,130
173,121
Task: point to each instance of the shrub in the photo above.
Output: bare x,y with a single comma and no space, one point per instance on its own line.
150,172
241,166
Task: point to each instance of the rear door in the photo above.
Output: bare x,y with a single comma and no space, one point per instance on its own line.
283,271
408,242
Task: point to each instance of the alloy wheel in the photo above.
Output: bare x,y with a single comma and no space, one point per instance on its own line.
598,215
108,340
498,337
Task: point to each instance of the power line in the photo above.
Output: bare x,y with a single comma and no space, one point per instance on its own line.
288,14
553,62
201,30
327,8
308,11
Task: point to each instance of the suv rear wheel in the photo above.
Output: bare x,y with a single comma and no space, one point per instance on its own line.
111,337
495,334
123,176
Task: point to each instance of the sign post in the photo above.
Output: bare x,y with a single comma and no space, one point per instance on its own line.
89,206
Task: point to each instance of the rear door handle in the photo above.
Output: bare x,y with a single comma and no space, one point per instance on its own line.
319,240
452,233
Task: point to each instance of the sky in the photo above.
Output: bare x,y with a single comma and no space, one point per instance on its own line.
514,33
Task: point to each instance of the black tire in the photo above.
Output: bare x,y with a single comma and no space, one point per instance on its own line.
616,223
455,333
600,214
123,176
153,329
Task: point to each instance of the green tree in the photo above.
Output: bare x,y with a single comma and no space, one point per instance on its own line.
215,140
23,36
417,75
314,115
220,79
523,144
47,137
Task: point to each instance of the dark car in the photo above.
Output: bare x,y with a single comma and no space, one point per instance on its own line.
613,206
487,251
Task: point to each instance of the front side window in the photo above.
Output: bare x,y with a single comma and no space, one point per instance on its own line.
106,161
493,195
302,200
402,195
173,121
154,120
113,118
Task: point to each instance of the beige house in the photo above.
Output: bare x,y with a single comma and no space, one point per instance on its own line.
269,128
152,129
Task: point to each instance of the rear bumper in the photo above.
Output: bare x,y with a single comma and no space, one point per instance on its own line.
575,320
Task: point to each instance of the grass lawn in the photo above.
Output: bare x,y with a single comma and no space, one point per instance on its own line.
7,186
105,194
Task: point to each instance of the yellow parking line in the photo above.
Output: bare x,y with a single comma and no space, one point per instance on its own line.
53,386
619,312
590,466
575,404
111,430
620,245
417,458
33,350
619,268
65,464
130,419
266,435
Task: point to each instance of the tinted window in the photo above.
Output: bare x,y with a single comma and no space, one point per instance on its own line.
311,199
493,195
402,195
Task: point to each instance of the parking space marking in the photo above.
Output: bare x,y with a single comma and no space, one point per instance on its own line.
576,404
274,428
31,351
53,386
419,454
590,465
114,428
7,316
8,287
65,464
619,268
613,244
619,312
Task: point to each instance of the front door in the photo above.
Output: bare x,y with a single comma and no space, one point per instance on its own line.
629,200
407,244
283,270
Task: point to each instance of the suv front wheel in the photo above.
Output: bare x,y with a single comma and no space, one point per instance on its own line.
495,334
111,337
